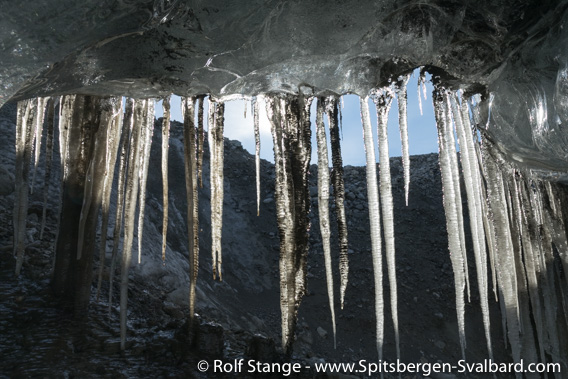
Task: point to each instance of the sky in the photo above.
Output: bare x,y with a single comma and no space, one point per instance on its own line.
421,127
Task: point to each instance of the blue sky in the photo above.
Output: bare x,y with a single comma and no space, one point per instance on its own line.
421,128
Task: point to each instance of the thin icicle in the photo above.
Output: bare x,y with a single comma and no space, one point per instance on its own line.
339,194
38,129
375,223
125,147
450,208
472,181
200,139
48,159
165,149
403,126
190,160
216,148
421,81
383,102
147,134
323,206
24,139
113,119
131,195
255,116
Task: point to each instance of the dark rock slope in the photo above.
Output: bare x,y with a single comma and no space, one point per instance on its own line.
240,316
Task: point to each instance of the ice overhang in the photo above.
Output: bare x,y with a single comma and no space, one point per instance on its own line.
511,52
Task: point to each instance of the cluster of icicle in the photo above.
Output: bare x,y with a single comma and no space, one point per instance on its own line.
517,221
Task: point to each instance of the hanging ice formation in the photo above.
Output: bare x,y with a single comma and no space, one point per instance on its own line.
165,149
403,126
48,159
127,128
339,194
256,121
26,111
383,101
517,221
190,159
323,206
138,141
375,224
216,151
147,133
111,119
448,168
290,123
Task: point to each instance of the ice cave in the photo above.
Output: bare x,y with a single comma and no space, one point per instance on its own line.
84,80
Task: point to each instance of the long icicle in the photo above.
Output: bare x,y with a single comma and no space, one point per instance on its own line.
24,140
471,177
148,132
256,121
339,194
113,117
165,150
403,126
125,145
383,102
190,159
375,223
457,190
285,220
200,139
48,159
450,209
38,131
291,133
504,253
131,195
323,207
216,148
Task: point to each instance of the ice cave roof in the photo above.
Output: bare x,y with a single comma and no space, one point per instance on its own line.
511,52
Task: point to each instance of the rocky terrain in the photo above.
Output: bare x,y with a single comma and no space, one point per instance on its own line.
240,316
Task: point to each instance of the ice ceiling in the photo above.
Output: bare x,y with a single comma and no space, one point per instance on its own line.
510,54
510,51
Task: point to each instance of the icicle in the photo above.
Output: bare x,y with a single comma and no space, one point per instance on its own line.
323,206
190,159
421,80
131,195
457,189
383,102
472,182
38,129
504,253
290,125
165,148
26,111
147,134
339,194
48,159
255,116
375,221
216,148
200,139
112,117
125,147
450,208
530,266
403,126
